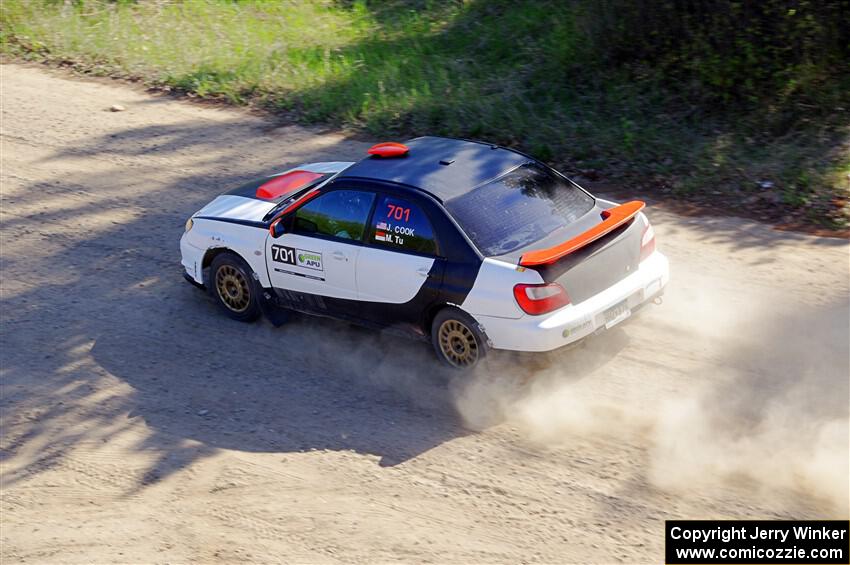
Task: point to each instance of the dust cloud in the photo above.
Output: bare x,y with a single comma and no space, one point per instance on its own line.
716,393
718,396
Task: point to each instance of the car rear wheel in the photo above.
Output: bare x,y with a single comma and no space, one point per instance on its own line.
457,339
232,284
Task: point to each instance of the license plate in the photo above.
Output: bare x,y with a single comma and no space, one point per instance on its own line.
617,313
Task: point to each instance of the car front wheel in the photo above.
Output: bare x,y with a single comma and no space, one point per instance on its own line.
232,285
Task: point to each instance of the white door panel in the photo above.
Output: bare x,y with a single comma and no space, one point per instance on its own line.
312,265
390,276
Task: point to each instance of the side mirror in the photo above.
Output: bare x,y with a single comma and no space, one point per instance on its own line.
277,229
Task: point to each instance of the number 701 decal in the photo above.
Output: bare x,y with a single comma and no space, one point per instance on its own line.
283,254
398,212
297,257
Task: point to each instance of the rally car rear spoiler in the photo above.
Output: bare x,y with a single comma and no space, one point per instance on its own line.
612,218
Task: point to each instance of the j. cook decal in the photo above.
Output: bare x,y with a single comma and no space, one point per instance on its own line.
297,257
389,233
394,234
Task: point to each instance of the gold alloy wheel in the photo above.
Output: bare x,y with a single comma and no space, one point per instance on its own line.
232,287
458,344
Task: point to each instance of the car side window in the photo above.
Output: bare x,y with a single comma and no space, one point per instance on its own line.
342,214
402,225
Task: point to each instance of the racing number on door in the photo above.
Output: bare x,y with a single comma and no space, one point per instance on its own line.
297,257
283,254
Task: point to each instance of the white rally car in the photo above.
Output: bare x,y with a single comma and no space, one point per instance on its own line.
467,244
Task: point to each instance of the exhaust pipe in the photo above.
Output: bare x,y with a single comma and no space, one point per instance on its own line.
657,300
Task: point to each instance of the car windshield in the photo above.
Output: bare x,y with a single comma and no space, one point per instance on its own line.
518,208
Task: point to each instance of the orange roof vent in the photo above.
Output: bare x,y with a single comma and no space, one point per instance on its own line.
389,149
286,183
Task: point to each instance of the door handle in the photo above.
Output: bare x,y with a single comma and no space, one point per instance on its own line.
339,256
422,272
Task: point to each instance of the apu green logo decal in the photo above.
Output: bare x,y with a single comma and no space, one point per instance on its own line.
310,260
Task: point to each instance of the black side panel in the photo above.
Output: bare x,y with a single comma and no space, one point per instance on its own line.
462,259
304,302
457,281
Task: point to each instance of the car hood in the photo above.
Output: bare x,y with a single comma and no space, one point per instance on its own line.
232,207
241,204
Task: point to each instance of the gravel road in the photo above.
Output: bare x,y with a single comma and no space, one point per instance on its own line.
141,425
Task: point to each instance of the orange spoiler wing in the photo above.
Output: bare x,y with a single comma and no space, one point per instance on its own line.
611,220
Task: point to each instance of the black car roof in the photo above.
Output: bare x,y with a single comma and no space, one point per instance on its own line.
442,166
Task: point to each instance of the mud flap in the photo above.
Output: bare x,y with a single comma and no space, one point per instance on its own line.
273,313
192,281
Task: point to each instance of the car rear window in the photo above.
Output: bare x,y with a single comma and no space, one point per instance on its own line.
518,208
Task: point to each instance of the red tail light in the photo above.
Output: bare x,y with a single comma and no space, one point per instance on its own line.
536,299
647,242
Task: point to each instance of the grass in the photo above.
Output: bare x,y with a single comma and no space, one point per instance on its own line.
520,73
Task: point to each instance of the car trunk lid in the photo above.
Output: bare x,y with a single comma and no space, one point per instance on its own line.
595,252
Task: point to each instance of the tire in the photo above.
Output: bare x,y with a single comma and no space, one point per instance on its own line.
233,287
457,339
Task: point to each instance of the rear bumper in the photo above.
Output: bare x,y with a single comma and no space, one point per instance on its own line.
576,321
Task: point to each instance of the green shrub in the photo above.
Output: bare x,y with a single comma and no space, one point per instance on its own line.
666,93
